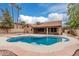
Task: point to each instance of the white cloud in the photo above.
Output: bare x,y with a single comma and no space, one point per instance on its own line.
51,17
55,16
32,20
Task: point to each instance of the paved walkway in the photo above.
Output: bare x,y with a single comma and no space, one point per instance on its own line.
67,51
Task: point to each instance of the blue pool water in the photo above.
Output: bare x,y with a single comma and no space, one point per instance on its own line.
38,40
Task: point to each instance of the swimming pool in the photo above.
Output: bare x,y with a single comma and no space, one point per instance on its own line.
43,40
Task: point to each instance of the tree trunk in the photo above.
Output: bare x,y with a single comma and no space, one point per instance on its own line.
17,17
12,14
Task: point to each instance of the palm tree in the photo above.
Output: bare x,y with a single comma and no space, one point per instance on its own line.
23,25
18,8
12,6
7,22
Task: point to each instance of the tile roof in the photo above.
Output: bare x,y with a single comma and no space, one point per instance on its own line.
48,24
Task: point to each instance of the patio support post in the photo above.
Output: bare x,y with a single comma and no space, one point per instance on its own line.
46,30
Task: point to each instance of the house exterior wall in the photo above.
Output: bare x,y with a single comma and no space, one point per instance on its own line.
59,30
28,29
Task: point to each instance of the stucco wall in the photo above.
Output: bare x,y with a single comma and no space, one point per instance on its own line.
28,29
2,31
17,29
77,31
60,30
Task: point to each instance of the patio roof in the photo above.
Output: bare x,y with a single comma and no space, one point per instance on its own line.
48,24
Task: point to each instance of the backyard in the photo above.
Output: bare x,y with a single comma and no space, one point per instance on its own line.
27,32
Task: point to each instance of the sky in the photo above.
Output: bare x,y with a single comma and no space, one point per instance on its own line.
39,12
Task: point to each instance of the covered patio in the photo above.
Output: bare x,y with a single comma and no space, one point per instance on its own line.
46,30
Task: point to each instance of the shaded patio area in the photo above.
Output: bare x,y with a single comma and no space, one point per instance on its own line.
46,30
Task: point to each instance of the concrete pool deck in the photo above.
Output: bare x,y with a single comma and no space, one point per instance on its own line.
25,49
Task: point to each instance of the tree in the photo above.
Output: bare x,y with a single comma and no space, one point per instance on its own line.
73,13
12,8
23,25
18,8
7,22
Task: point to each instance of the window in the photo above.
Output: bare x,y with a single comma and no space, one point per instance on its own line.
53,29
